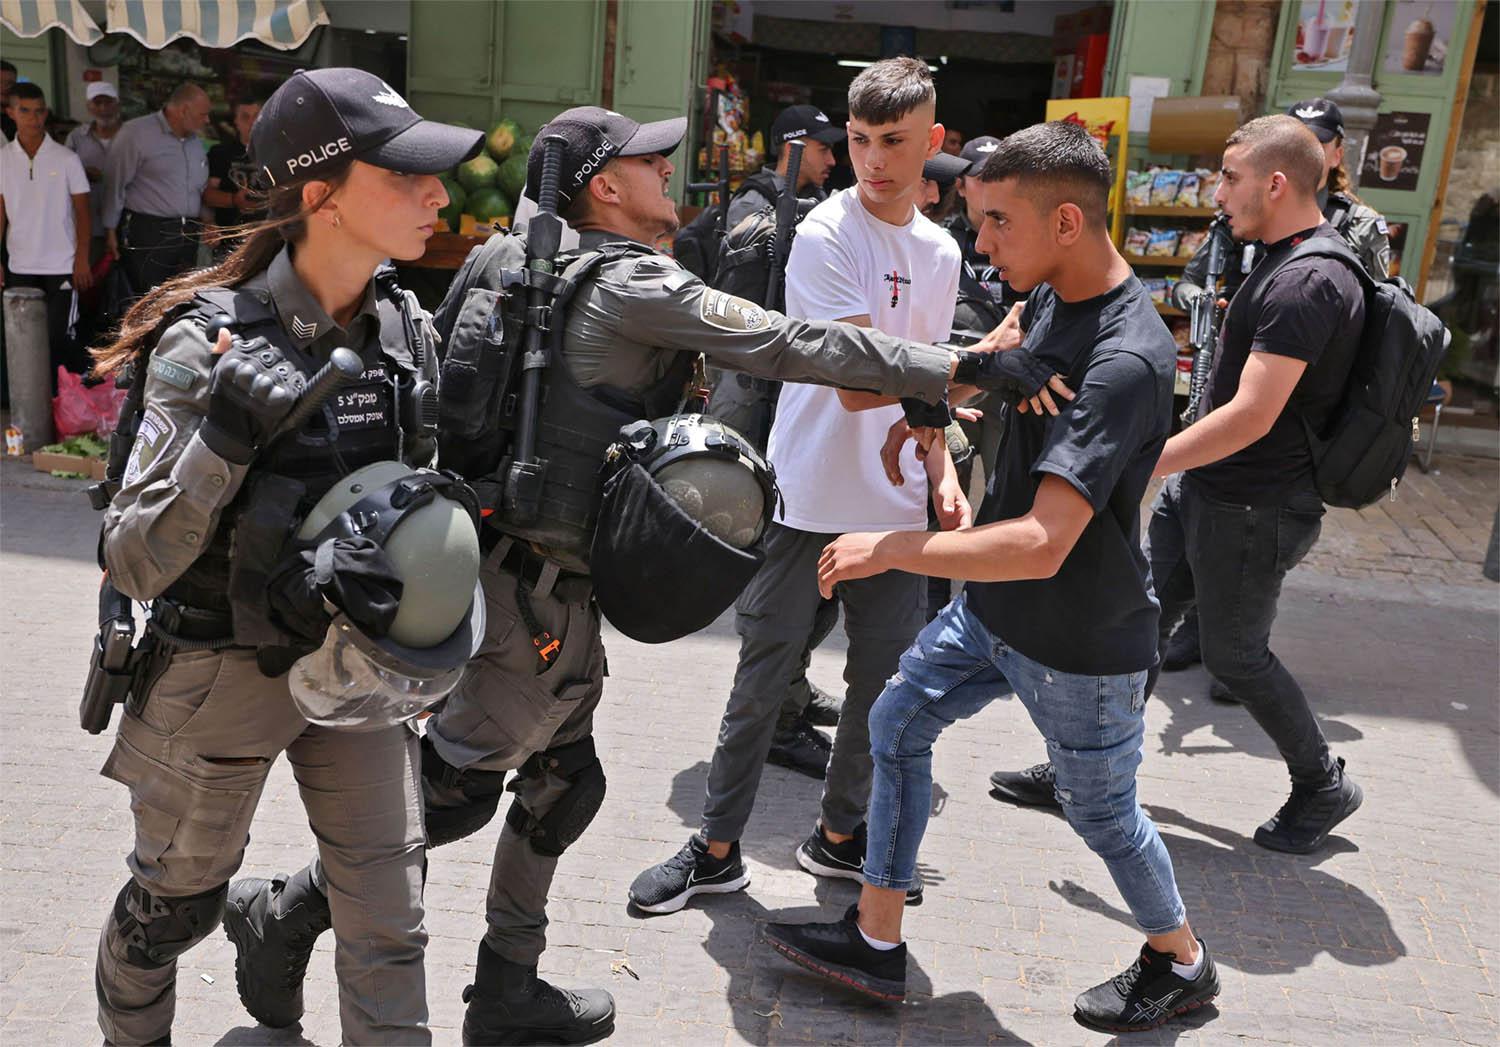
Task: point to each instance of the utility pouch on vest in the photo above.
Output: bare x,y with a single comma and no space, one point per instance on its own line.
268,516
659,574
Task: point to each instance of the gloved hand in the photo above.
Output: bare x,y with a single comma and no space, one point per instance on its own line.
923,415
253,389
1015,374
353,574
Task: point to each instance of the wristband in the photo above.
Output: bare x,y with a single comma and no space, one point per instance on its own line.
967,370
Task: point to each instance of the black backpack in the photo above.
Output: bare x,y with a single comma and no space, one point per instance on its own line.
1363,450
744,264
696,245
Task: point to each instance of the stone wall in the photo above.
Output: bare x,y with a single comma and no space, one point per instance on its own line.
1239,51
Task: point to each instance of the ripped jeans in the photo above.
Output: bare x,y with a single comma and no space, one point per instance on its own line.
1093,726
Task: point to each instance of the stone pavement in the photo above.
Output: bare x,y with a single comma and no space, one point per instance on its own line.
1391,935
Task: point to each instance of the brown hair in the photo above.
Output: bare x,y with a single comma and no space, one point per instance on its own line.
1282,143
1339,182
888,90
285,222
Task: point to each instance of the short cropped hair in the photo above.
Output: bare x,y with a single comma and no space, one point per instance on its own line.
27,89
185,92
1058,161
1282,143
888,90
6,67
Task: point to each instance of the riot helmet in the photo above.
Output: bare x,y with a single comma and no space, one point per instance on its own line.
426,524
681,525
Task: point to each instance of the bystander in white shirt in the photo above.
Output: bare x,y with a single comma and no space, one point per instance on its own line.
38,191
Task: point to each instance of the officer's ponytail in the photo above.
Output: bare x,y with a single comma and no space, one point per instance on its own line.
285,222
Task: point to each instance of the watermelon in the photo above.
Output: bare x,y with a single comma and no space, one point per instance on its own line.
478,173
450,211
487,205
502,139
512,176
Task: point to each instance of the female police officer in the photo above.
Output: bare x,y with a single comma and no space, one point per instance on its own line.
350,170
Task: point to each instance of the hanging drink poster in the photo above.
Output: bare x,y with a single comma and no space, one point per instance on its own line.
1325,32
1393,157
1418,35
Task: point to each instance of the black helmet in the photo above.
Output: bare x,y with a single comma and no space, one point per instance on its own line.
681,527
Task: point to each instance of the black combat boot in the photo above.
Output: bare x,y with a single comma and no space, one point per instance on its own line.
509,1004
273,925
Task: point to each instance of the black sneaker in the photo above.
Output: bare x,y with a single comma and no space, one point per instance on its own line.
1149,993
1220,692
667,887
1182,650
842,861
823,710
838,952
1034,787
800,747
274,925
1309,815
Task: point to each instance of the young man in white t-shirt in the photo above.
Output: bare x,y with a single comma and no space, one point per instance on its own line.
44,221
865,256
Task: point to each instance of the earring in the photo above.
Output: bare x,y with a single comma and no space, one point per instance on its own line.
338,219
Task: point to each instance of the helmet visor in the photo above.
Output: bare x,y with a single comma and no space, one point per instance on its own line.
355,683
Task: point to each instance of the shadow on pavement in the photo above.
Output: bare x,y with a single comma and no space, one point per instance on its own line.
1262,912
251,1035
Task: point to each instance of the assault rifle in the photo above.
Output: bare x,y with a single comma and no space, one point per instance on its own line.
1205,316
523,480
786,221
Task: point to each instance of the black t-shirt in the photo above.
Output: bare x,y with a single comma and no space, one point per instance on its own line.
1312,309
1097,616
222,161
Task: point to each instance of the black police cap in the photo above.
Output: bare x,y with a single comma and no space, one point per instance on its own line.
977,151
591,138
320,118
1322,117
804,121
944,169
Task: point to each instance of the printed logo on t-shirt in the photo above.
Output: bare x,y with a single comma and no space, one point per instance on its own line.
895,279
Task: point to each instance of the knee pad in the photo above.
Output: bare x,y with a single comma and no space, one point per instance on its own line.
456,803
555,831
155,931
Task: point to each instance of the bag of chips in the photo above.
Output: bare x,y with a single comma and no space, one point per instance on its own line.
1187,189
1189,242
1161,242
1138,188
1136,241
1164,185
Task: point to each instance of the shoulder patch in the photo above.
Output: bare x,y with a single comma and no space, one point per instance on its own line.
154,436
173,373
728,313
1385,230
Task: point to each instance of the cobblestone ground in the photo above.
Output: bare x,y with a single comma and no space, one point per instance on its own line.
1390,935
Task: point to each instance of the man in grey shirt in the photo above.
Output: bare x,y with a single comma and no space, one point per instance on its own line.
92,142
153,189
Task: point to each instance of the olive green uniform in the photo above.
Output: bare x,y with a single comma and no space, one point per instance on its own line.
621,330
196,754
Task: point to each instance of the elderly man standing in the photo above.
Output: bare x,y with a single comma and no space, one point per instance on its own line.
92,142
153,189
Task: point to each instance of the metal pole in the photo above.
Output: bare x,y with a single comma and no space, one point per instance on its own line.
1356,97
27,362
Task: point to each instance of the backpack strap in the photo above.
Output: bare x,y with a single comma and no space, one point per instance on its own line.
762,182
1339,211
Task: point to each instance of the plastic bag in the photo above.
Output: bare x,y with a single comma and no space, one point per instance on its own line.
78,409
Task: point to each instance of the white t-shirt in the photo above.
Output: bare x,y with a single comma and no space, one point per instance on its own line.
846,262
39,228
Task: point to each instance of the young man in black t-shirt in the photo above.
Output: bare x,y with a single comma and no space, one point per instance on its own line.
228,167
1058,609
1240,508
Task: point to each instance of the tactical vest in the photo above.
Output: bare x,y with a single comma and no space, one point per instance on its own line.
357,426
575,425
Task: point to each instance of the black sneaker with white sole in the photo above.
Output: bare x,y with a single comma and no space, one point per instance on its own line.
1310,814
1147,994
839,952
667,887
843,861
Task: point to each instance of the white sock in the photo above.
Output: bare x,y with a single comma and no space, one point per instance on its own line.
876,943
1190,970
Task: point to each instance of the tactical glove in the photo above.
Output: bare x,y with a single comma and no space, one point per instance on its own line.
1015,374
254,388
353,574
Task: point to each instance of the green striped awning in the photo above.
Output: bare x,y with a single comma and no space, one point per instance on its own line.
216,23
34,17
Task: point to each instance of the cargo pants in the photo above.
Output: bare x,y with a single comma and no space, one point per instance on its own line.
511,704
195,760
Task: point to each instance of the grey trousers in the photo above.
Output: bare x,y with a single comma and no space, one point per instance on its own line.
510,705
195,761
775,616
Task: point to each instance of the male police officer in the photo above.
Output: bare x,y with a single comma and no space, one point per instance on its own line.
629,337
